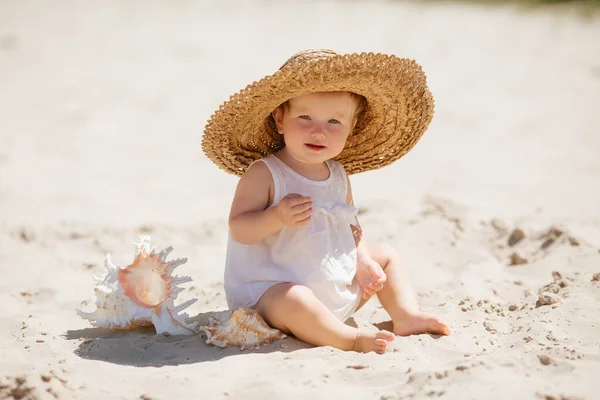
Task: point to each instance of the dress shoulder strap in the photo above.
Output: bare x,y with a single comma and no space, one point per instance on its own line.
275,170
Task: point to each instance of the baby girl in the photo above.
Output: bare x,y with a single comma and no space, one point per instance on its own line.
296,251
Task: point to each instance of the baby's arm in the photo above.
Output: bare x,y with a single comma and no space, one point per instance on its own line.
250,221
369,274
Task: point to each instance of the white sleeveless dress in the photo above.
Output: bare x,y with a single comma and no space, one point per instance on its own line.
321,255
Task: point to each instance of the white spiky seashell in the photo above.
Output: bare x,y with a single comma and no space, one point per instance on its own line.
244,328
141,294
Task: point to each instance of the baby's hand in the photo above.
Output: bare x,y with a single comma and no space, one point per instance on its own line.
294,210
370,277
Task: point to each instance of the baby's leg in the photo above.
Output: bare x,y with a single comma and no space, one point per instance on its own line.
399,299
295,309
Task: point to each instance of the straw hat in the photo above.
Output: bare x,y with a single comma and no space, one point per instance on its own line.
399,109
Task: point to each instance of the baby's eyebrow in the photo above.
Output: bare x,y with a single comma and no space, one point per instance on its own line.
299,109
340,114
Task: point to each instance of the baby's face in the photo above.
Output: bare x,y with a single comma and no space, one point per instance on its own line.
315,126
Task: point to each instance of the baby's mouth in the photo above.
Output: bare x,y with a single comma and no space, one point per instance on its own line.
314,146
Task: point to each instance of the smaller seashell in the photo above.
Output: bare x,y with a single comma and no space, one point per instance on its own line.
244,328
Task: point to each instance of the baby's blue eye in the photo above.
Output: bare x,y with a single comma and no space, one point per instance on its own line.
304,117
334,121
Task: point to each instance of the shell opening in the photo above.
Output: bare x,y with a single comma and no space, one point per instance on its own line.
144,283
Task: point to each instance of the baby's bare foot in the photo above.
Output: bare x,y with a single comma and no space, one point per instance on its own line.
373,341
414,324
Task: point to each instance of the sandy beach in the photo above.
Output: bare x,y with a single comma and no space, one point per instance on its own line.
495,211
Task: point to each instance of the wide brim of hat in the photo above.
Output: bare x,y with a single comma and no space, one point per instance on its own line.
399,110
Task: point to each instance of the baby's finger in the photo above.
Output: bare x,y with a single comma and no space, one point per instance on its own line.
300,208
302,222
382,278
298,199
303,215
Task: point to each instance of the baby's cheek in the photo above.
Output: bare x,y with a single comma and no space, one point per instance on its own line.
338,137
339,133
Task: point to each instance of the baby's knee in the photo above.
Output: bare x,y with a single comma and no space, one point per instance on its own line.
299,296
383,253
288,295
284,301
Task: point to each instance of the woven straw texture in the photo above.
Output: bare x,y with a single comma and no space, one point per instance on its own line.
399,109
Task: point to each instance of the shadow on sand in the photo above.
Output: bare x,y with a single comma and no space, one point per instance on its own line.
142,347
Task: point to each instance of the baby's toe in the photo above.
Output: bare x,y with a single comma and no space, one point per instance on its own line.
385,335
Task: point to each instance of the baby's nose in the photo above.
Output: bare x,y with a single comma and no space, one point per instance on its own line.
318,131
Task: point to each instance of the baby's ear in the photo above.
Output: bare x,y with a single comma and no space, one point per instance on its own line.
278,118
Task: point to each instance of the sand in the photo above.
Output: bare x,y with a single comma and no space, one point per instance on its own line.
102,107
